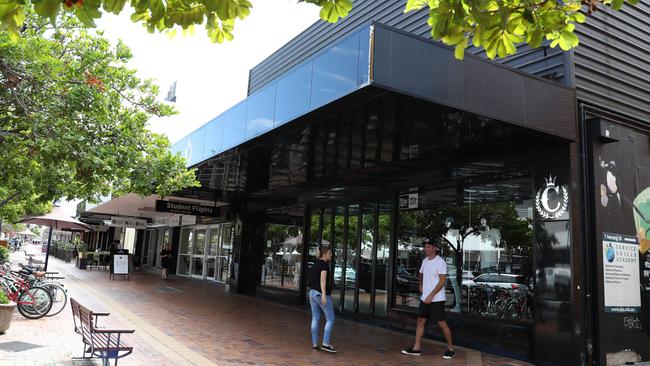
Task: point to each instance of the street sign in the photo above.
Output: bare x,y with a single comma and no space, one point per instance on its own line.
117,221
187,208
408,201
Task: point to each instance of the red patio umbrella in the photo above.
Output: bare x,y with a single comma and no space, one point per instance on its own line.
56,220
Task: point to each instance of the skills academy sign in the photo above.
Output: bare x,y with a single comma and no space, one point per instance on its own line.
186,208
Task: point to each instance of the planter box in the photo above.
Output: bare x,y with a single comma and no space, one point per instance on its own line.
67,256
6,313
82,263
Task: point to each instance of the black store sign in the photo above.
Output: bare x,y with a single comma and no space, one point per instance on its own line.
187,208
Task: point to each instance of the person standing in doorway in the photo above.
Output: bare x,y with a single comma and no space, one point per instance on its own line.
165,258
433,275
320,299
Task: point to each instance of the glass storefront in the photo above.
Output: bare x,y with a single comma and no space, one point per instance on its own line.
487,240
283,247
282,256
359,236
205,252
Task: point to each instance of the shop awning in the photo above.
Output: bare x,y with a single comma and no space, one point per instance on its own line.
133,205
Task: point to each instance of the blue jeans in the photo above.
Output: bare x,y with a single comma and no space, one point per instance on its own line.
328,309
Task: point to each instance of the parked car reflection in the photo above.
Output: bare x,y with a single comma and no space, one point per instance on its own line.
502,280
350,276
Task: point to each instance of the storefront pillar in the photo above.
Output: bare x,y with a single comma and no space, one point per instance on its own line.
248,249
175,244
555,206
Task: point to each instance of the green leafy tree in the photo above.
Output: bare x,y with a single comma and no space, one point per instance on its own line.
9,228
73,120
496,25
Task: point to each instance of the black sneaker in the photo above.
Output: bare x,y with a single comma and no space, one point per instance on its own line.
316,348
328,348
449,354
412,352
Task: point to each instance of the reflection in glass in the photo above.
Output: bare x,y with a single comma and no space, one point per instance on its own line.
183,265
335,71
314,234
282,256
185,241
365,267
337,245
224,254
261,111
351,258
197,266
213,137
486,242
210,266
553,271
199,242
383,258
339,70
153,247
293,90
409,258
213,241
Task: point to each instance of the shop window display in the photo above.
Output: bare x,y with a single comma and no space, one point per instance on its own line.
486,235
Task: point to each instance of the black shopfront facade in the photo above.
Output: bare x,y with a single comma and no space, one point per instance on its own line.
482,158
537,197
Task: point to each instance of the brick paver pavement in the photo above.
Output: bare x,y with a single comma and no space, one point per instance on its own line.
183,322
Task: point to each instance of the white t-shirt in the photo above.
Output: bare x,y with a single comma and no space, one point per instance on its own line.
431,270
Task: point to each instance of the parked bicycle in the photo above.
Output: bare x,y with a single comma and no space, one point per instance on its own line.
33,302
51,282
499,302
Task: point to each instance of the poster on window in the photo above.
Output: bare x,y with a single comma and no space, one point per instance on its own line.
621,273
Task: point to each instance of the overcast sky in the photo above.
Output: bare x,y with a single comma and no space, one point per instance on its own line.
211,77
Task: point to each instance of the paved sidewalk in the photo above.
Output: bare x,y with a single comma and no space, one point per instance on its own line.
182,322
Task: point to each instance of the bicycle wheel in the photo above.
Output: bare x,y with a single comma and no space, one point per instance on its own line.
59,297
34,303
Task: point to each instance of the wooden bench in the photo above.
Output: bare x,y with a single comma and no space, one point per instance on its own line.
99,341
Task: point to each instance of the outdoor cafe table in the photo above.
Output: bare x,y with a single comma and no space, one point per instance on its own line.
95,256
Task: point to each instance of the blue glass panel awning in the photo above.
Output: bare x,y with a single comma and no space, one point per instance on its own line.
389,59
333,73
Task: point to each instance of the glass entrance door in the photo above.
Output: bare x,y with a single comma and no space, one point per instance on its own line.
214,240
205,252
198,255
185,251
224,253
153,246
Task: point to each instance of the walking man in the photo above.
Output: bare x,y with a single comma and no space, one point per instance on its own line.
433,275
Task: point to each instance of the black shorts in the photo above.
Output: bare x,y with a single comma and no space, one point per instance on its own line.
434,311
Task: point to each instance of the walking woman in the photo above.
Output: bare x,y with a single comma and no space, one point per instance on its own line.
320,299
165,258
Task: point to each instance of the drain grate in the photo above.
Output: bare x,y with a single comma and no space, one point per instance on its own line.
18,346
